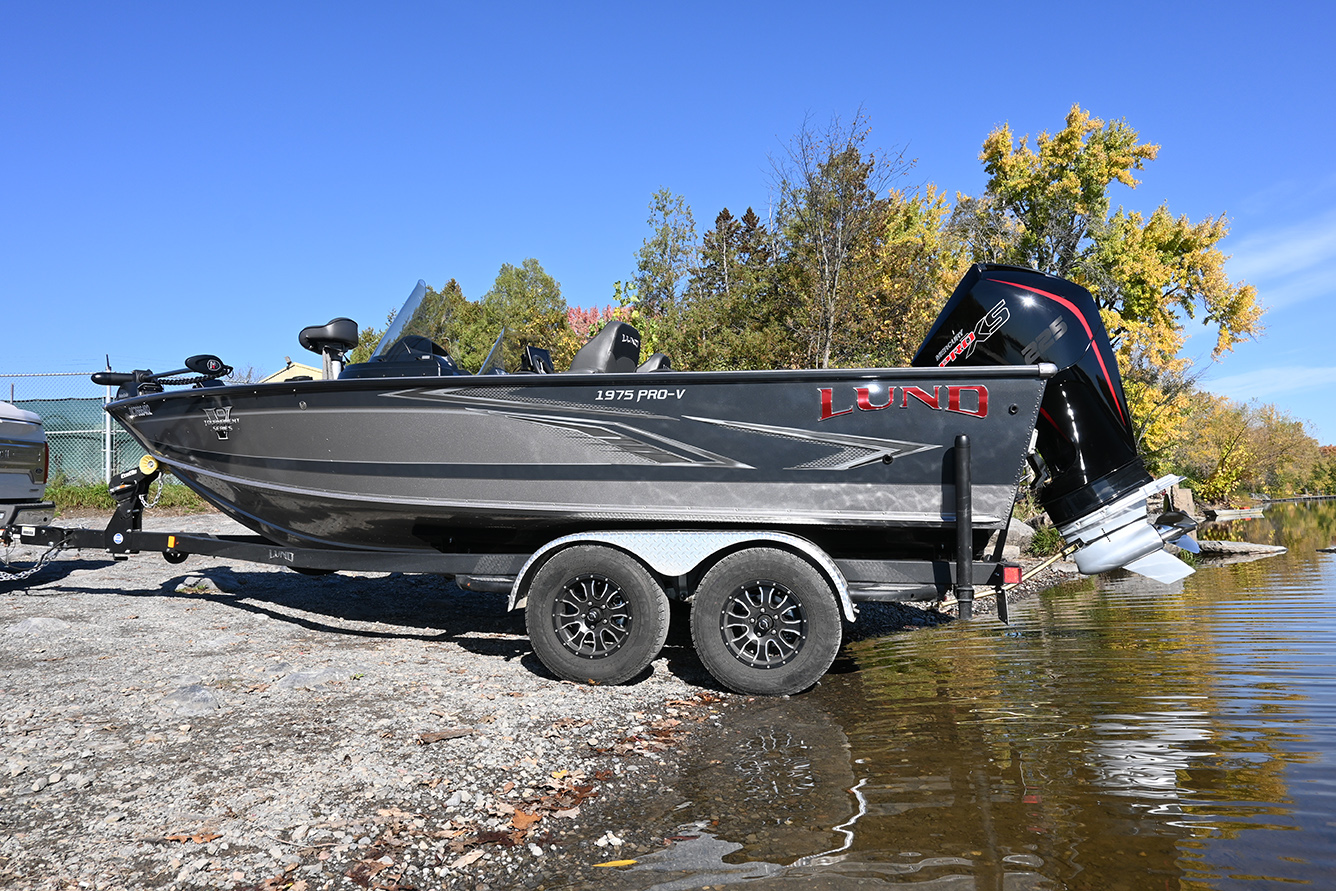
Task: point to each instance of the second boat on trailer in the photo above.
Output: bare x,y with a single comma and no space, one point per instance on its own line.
773,502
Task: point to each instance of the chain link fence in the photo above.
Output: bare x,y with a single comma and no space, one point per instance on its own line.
86,446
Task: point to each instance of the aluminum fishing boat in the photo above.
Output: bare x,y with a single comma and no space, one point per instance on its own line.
771,501
408,451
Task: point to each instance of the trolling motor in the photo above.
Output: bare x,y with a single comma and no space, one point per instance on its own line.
207,369
1091,481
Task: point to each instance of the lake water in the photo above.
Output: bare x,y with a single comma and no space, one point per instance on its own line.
1117,735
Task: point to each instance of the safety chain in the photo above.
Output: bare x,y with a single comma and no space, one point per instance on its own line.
47,556
156,498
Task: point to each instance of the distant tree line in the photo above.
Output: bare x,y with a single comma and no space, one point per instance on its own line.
849,261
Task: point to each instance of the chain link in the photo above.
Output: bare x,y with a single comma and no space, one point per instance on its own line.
47,556
156,498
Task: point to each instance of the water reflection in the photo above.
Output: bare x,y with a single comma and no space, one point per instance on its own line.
1119,734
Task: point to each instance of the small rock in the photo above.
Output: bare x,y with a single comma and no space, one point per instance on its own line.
39,784
535,850
313,678
190,701
37,627
197,584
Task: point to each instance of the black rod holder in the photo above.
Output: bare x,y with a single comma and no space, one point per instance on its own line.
964,530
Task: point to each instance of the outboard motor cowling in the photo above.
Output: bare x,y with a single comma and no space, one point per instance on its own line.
1093,484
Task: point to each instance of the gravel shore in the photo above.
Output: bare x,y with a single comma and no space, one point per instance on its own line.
228,725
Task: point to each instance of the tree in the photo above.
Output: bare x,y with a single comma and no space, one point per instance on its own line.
733,316
1233,447
829,210
905,273
1050,208
527,302
667,257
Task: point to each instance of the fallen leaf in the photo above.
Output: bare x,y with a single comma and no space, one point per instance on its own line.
523,821
468,859
434,736
363,871
569,813
198,838
617,863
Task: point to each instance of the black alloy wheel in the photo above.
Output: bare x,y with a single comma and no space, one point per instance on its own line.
765,621
596,615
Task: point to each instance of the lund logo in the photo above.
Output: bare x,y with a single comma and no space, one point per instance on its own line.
950,400
220,420
281,555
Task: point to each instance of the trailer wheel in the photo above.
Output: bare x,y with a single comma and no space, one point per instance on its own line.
765,621
595,615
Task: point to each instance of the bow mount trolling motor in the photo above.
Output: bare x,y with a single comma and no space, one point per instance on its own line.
207,370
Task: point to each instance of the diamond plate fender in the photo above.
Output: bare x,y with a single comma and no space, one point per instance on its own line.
676,553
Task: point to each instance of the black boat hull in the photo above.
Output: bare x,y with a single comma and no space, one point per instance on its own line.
498,461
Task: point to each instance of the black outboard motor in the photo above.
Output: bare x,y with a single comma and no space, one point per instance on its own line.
1093,484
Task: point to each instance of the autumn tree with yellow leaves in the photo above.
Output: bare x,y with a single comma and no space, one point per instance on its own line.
1050,207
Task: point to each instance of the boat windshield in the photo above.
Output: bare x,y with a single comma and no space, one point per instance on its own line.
427,314
420,314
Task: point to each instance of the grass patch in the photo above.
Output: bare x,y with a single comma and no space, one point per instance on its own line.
94,496
1046,542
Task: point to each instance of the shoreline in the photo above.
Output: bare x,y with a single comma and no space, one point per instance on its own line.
239,726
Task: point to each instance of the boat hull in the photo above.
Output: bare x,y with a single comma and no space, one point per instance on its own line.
495,461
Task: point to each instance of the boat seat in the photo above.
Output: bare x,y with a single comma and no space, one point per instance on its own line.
614,349
656,362
339,333
331,340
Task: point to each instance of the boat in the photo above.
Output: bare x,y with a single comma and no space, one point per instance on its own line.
408,451
596,493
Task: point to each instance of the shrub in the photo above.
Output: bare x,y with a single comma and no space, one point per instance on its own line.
1045,543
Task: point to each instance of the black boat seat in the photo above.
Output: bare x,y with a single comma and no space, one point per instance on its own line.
614,349
656,362
340,333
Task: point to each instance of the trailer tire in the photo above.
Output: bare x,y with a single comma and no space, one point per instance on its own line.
765,621
595,615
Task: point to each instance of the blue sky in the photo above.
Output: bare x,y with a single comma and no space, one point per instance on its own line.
188,177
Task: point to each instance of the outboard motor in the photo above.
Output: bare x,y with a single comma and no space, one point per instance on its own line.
1091,481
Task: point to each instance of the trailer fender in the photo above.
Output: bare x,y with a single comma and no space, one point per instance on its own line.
677,553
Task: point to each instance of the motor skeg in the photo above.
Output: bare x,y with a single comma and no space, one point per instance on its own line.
1005,315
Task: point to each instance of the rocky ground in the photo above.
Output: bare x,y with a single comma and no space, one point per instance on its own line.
216,725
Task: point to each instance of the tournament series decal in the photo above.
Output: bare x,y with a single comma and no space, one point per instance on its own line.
220,420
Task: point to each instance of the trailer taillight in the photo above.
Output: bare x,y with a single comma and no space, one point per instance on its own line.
1011,575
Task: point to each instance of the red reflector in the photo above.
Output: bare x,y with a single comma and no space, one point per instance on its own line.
1011,575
